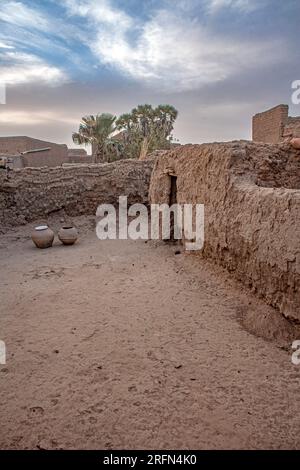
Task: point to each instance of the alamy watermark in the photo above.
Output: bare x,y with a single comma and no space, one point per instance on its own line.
296,94
2,93
2,353
173,222
296,354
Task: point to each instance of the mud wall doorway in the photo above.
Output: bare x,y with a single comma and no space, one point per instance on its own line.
172,200
173,191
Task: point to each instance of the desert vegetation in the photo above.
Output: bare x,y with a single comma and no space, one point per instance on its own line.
131,135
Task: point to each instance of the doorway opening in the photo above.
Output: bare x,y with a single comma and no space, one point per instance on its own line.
173,200
173,191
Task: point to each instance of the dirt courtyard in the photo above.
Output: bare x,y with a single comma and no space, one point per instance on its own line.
123,344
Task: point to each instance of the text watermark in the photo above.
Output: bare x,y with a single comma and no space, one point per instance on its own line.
2,93
296,354
2,353
296,94
166,222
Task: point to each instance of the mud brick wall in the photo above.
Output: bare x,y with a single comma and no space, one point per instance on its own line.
31,193
79,159
57,154
269,125
292,129
251,194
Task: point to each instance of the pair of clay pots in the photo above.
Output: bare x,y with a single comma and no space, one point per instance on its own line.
43,236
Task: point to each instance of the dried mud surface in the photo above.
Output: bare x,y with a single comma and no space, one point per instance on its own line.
123,344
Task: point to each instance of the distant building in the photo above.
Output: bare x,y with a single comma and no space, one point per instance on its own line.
78,156
23,151
77,153
275,125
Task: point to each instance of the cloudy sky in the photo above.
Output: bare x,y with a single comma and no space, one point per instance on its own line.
217,61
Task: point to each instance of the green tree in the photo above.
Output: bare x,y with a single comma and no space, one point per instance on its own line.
98,131
146,129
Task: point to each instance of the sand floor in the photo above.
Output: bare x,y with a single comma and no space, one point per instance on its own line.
123,344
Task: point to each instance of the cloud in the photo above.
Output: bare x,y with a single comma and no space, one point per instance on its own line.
3,45
21,15
246,6
19,68
101,11
172,52
25,27
30,118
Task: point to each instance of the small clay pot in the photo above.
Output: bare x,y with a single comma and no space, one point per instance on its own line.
68,234
42,236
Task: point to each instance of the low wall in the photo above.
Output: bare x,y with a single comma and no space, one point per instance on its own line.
252,211
31,193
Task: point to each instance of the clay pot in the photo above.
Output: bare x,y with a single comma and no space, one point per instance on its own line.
68,235
42,236
295,143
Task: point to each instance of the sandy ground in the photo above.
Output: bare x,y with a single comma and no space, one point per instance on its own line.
123,344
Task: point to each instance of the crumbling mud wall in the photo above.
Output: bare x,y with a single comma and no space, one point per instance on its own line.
31,193
292,128
275,125
251,194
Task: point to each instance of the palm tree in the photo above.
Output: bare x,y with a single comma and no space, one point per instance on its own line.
167,115
148,128
97,131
